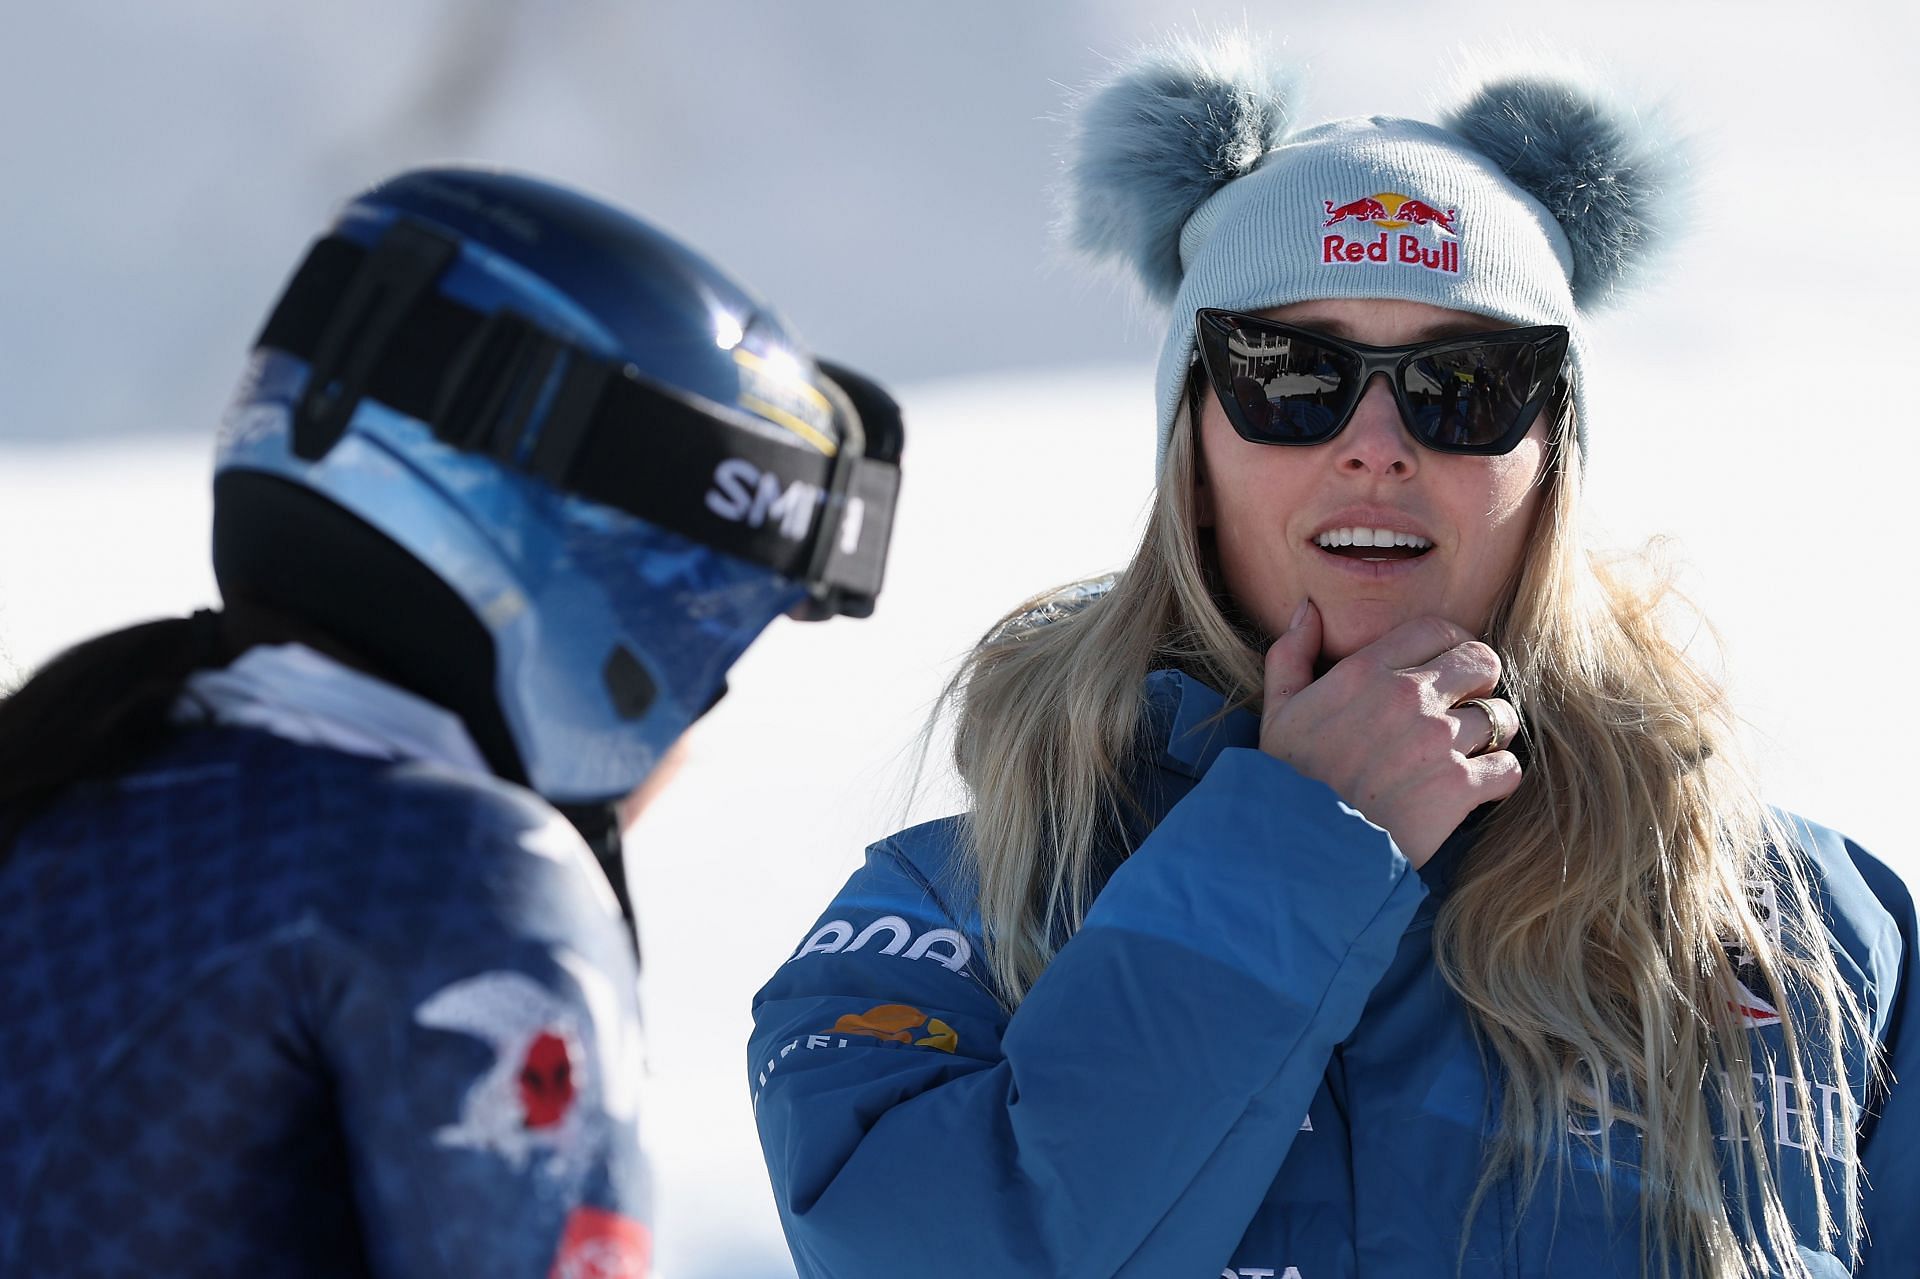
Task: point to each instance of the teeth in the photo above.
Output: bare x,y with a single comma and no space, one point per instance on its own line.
1370,537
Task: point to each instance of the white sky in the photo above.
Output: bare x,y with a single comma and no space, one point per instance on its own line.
878,170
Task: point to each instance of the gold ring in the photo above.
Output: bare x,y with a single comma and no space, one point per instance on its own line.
1500,730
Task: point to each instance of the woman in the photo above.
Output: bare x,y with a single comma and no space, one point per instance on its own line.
1443,937
303,969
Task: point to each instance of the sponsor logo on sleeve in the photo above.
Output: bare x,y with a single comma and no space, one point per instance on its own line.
889,1023
943,946
896,1024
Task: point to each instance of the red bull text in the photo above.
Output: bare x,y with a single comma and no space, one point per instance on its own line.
1431,247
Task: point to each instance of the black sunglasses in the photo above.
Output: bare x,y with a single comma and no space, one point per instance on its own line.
1475,393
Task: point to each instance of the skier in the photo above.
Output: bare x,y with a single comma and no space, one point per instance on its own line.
1360,882
304,971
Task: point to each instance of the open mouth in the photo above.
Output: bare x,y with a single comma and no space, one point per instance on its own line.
1372,544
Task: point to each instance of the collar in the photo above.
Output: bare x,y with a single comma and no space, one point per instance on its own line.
303,696
1187,721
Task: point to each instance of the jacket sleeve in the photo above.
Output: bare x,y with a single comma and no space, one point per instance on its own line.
1130,1116
479,1021
1890,1131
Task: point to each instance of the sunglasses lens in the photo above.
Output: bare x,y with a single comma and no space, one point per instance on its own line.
1284,385
1276,388
1469,397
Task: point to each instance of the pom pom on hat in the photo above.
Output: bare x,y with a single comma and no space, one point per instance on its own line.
1158,137
1610,181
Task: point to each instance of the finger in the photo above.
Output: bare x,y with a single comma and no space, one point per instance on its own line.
1466,670
1495,775
1506,723
1289,665
1472,729
1497,713
1416,643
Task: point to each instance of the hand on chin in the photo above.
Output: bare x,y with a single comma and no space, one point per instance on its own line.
1351,625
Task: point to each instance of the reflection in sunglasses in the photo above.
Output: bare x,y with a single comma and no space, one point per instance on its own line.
1281,384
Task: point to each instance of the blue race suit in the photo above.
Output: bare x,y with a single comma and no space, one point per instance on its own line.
310,992
1243,1064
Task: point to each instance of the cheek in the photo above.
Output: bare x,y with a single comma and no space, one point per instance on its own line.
1248,486
1515,483
1249,489
1509,499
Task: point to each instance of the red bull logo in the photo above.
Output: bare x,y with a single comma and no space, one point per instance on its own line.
1412,233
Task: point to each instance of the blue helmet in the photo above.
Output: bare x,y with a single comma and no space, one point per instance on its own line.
544,464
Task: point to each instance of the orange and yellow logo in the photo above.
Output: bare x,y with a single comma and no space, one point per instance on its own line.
897,1022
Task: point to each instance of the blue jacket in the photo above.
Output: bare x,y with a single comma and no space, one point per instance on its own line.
276,1009
1244,1064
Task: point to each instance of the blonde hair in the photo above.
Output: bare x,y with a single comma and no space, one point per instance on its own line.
1587,930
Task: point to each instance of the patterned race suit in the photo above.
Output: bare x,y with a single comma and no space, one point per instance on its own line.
272,1006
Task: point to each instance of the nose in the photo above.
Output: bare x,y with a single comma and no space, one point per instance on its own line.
1375,442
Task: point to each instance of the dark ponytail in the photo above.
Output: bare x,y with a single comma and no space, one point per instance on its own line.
97,708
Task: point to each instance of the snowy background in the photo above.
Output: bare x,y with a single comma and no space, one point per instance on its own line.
880,169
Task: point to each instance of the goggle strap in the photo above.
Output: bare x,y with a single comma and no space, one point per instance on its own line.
706,470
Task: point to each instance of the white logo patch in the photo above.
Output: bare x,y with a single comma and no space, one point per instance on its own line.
536,1097
837,937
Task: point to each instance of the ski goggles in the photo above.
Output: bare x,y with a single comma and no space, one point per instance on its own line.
1475,393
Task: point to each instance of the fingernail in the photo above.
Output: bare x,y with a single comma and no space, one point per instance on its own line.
1299,614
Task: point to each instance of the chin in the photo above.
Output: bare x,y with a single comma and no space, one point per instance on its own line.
1347,630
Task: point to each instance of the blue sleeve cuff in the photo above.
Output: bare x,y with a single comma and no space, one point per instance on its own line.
1268,871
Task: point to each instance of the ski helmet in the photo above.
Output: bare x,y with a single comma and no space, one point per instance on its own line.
547,466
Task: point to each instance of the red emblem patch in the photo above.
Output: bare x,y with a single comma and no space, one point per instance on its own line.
546,1081
602,1245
